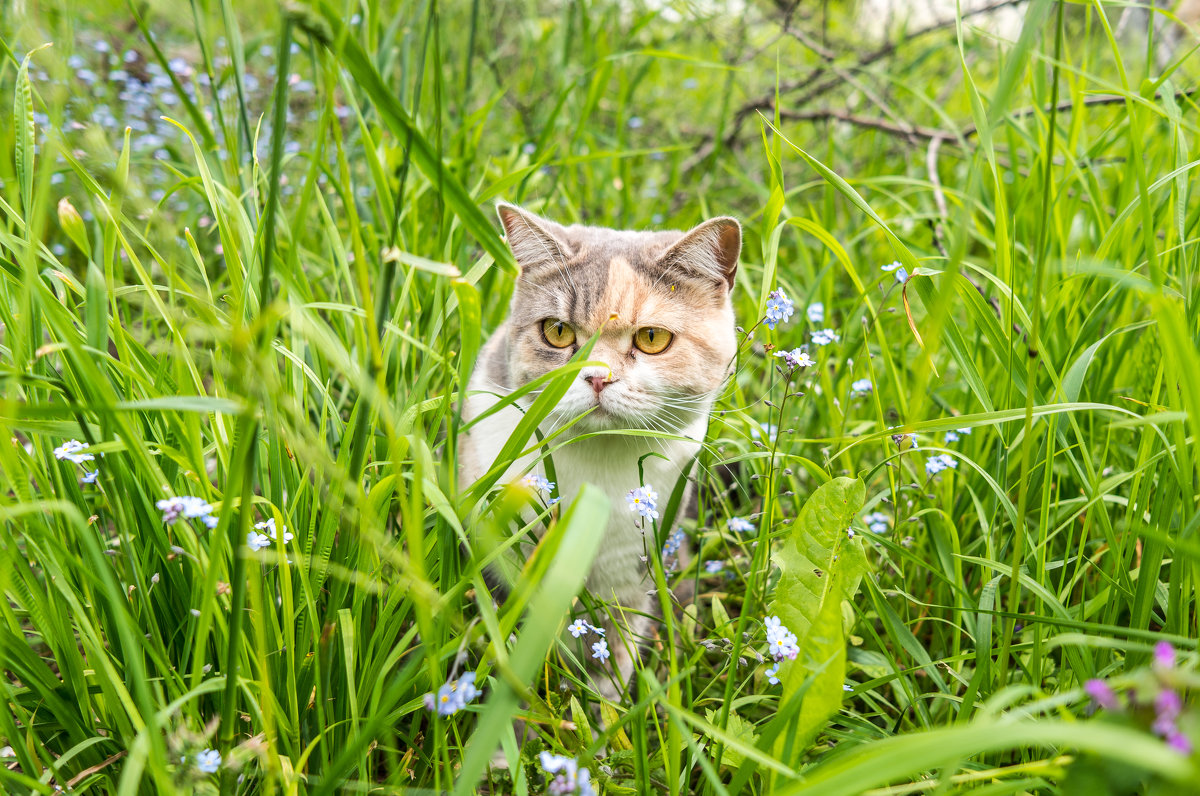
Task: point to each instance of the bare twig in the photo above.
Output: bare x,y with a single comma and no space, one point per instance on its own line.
817,86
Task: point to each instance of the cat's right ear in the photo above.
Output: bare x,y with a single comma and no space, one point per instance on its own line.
535,242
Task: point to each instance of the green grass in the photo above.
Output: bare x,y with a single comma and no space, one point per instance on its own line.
278,318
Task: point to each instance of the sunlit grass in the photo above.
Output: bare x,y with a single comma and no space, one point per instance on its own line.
268,294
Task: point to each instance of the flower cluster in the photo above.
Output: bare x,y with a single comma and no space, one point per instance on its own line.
538,483
942,461
779,308
643,500
453,696
739,524
878,522
954,434
796,359
73,451
781,641
714,567
816,312
860,387
673,543
257,540
1167,703
825,337
568,777
581,627
188,507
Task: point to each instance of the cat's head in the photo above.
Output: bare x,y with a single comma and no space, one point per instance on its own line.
660,301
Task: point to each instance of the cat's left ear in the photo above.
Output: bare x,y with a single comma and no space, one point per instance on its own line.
708,252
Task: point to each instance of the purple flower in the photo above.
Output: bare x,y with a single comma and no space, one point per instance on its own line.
89,478
1164,655
1167,707
1102,694
773,674
600,650
1179,742
713,567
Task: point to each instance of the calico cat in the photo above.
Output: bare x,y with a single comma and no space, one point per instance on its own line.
661,302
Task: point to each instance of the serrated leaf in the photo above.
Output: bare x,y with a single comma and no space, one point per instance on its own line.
740,729
821,566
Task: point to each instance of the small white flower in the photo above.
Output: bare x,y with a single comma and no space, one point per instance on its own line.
269,527
600,650
816,312
73,451
257,541
796,358
773,673
861,387
577,628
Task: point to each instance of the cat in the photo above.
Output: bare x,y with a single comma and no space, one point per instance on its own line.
661,302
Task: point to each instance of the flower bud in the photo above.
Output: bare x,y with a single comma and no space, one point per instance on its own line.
72,224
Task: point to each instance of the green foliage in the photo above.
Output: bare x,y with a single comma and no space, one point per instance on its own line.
819,569
269,294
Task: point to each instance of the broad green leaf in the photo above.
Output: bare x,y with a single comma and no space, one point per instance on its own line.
821,567
738,728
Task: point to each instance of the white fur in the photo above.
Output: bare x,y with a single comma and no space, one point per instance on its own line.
608,461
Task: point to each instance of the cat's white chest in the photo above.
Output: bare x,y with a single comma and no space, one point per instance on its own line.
611,464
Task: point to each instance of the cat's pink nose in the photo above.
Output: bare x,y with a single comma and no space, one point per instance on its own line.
598,382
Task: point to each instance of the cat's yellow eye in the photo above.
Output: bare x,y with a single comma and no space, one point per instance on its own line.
558,333
652,339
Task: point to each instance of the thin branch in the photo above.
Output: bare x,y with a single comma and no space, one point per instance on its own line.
767,101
